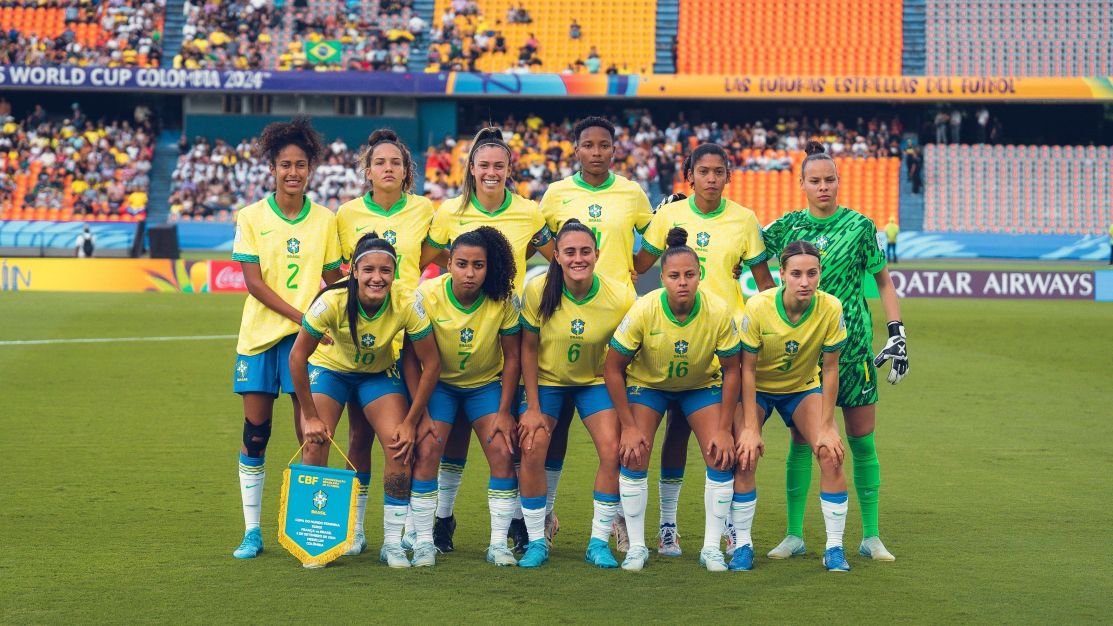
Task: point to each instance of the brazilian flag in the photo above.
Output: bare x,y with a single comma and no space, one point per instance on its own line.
324,52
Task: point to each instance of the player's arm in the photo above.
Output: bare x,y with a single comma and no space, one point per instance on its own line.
747,434
261,291
432,254
332,275
313,427
644,259
830,395
896,348
762,276
531,420
429,357
633,448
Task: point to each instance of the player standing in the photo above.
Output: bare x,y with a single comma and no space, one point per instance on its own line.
784,333
848,247
726,234
568,317
677,345
285,243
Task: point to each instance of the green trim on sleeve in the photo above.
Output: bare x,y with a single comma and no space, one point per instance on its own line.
309,329
733,351
245,258
876,268
335,265
641,231
764,256
838,346
421,334
652,249
429,240
527,326
749,348
621,348
513,330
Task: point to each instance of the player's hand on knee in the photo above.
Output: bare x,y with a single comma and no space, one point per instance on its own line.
748,448
833,443
505,427
633,448
896,351
402,442
528,427
720,450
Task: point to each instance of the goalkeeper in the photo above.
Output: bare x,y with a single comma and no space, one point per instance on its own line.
847,242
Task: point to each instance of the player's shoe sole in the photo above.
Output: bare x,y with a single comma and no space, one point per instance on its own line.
789,547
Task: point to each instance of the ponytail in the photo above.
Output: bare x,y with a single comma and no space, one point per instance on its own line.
554,277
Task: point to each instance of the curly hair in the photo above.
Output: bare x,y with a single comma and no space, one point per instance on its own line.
593,121
297,132
386,135
501,267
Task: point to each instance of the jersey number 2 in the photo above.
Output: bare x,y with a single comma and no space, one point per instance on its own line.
294,269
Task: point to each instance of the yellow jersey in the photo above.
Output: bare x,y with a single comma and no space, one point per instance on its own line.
517,219
291,255
574,340
671,355
722,238
405,224
788,353
612,211
468,337
375,352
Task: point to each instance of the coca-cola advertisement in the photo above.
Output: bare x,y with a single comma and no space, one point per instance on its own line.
226,276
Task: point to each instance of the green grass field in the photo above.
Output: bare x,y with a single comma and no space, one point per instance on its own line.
121,502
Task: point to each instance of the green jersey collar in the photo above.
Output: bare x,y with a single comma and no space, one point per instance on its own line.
824,220
672,318
579,180
277,211
505,204
716,213
376,208
382,309
784,314
590,292
456,303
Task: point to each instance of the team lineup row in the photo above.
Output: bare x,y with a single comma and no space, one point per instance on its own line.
575,339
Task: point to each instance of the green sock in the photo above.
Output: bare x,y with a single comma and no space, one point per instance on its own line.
798,477
867,481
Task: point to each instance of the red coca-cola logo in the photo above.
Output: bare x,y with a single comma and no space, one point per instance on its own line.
226,276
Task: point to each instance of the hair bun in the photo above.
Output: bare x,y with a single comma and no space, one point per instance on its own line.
570,220
677,237
814,147
382,134
490,132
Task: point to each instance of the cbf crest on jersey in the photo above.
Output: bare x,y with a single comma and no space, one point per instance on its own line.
317,513
391,237
822,243
367,340
595,211
467,335
703,239
578,327
681,347
791,347
293,246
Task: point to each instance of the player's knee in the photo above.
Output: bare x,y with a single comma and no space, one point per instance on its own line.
255,437
608,453
500,459
428,454
535,451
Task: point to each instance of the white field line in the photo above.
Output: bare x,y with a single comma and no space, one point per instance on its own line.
42,342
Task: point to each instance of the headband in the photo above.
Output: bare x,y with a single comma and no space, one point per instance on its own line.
372,251
492,142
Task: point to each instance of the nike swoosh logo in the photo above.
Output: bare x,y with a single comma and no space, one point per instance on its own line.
763,333
399,515
441,321
249,486
723,501
837,514
866,391
654,333
797,228
360,229
264,233
466,222
564,202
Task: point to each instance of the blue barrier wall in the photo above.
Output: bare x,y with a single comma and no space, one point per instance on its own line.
36,234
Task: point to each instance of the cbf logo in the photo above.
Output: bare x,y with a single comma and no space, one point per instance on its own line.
313,376
595,211
822,243
367,340
681,347
791,347
320,499
293,246
578,327
703,239
467,335
391,237
241,371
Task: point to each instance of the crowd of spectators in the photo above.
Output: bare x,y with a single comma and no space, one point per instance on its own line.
214,178
89,167
114,33
256,34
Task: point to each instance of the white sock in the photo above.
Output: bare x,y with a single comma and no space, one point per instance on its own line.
834,507
448,480
252,475
364,479
423,504
502,501
394,519
553,470
410,527
742,509
672,479
606,508
718,489
634,489
533,510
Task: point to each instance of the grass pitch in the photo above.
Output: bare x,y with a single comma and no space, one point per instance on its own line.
121,503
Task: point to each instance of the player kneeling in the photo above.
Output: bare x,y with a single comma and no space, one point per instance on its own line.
362,317
784,332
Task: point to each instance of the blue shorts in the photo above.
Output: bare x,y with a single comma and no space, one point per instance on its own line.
690,401
266,372
589,400
785,403
476,402
361,387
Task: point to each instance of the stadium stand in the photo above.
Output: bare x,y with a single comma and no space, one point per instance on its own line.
467,35
322,35
1018,189
861,37
122,33
1007,38
73,169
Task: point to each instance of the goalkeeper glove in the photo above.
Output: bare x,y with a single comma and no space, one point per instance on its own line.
896,350
669,198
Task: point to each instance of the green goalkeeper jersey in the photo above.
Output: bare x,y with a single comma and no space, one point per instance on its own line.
847,242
